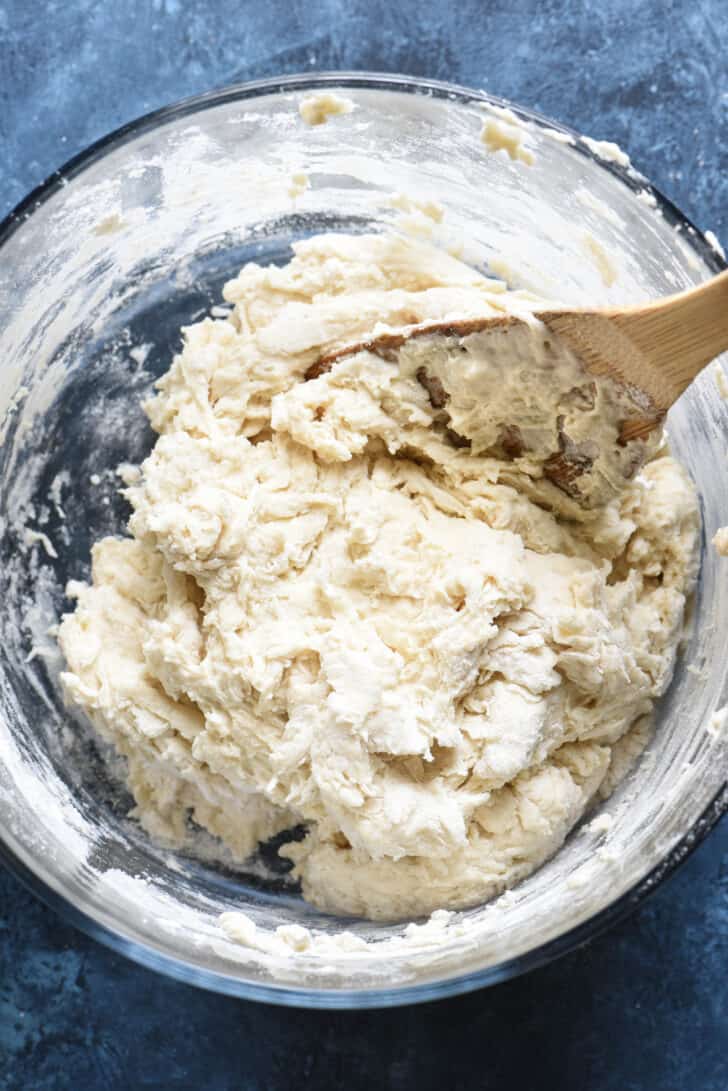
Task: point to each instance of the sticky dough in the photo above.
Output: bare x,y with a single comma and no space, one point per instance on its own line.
330,611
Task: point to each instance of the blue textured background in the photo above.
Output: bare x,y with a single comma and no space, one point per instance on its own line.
644,1007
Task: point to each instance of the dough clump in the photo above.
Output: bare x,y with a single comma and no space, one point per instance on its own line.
318,108
338,608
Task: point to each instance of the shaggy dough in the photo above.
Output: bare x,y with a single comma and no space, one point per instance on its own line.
332,611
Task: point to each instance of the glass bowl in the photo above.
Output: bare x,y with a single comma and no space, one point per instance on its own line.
99,268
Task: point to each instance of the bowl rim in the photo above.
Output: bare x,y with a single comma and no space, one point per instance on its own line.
232,984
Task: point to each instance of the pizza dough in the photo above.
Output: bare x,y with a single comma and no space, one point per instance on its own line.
338,609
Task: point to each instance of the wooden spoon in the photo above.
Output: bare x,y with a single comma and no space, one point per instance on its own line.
657,347
651,352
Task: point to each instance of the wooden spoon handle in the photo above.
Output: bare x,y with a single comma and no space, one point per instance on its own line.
681,333
656,347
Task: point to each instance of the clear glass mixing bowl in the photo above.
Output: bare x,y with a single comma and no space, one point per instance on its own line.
99,268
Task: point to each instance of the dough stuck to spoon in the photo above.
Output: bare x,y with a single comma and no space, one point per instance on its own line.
509,388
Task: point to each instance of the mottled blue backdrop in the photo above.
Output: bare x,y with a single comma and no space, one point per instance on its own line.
644,1007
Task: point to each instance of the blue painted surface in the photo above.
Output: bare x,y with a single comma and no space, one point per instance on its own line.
644,1007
